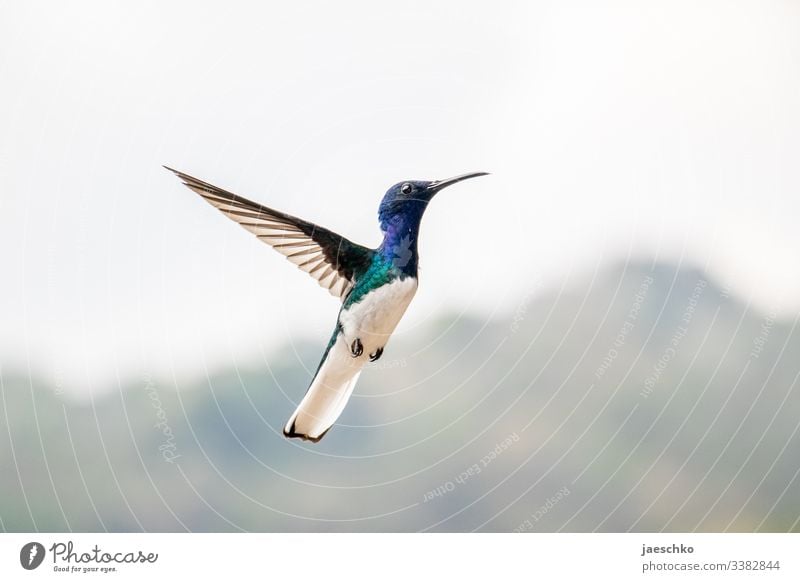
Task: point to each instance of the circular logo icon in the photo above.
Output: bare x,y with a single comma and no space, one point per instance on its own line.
31,555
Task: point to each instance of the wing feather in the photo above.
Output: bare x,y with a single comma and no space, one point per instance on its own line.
334,261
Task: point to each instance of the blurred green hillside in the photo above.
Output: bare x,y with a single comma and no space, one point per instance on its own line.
644,398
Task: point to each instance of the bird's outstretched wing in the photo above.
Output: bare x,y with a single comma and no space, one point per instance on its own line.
331,259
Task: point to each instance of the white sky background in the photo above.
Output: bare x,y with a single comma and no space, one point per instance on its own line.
610,128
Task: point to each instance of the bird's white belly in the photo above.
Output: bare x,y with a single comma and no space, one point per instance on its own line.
374,318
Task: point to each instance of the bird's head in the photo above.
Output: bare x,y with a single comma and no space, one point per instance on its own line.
408,200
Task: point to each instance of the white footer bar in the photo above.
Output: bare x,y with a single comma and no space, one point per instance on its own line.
354,557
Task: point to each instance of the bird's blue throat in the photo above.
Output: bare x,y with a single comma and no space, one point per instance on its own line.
399,247
397,257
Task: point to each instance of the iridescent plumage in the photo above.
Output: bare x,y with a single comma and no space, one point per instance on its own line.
375,285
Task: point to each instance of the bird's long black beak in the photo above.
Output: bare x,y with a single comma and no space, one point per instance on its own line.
434,187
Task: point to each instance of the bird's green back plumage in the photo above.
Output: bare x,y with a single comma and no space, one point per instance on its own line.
380,272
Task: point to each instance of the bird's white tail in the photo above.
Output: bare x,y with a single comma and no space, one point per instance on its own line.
326,397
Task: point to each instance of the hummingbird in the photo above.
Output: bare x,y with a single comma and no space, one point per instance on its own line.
375,286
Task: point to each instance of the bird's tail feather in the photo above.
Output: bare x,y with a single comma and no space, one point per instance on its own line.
328,394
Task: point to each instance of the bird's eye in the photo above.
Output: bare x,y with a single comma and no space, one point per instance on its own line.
406,188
